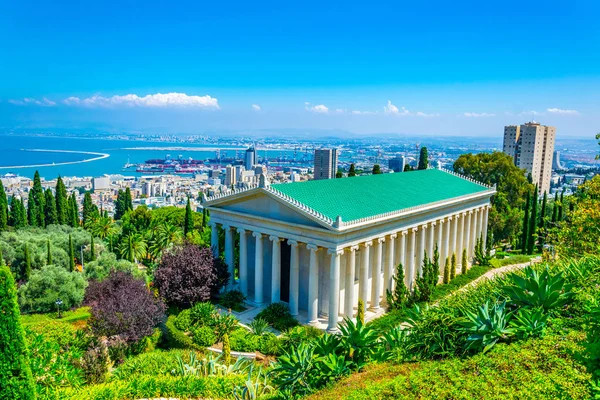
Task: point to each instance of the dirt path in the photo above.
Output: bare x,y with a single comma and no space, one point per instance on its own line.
501,271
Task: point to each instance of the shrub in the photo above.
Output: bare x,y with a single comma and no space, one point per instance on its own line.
187,275
299,334
95,364
183,321
49,284
593,339
122,305
15,374
155,363
529,323
278,316
269,344
259,326
488,326
294,371
359,341
242,340
203,314
176,338
234,299
399,297
536,289
204,336
224,324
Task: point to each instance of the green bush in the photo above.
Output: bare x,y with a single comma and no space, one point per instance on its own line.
299,334
244,341
278,316
15,373
269,344
203,314
488,326
186,387
155,363
49,284
176,338
233,299
183,321
536,289
204,336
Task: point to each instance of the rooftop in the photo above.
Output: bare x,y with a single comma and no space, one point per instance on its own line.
371,195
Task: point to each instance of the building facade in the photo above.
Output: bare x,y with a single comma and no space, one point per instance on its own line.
322,245
397,164
250,158
532,146
325,164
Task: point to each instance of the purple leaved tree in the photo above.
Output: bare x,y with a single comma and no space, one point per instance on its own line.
123,306
189,274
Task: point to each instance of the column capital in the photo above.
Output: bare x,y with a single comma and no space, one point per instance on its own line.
312,247
293,243
393,236
367,244
450,217
423,227
441,221
274,238
404,233
470,212
464,214
414,230
226,227
212,224
256,234
380,240
353,248
241,231
336,252
433,223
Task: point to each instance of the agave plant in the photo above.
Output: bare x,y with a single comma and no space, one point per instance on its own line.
327,344
359,341
259,326
332,367
538,290
255,386
529,322
209,366
294,371
488,326
391,344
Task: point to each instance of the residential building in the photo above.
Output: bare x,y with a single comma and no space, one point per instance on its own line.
397,164
322,245
250,158
230,176
325,164
532,146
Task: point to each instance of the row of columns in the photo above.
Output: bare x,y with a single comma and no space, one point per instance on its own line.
452,234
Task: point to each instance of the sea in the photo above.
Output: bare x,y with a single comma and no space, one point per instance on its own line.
66,156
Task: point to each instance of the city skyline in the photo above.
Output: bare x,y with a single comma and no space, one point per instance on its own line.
379,69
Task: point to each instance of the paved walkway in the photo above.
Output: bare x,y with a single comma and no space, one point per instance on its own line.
501,271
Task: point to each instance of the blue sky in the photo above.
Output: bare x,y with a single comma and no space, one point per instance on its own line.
429,67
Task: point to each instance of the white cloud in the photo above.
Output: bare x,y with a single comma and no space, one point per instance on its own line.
339,111
477,115
30,101
151,100
256,107
424,115
319,109
562,112
392,109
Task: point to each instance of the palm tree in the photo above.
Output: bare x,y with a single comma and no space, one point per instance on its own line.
133,247
103,227
163,237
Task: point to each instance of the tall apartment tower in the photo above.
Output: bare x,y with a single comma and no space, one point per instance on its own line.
532,146
325,163
230,176
250,158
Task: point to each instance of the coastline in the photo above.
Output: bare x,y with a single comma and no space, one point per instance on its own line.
99,156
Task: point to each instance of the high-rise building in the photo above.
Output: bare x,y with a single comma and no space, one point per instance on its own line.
325,163
397,163
250,158
532,145
556,164
230,176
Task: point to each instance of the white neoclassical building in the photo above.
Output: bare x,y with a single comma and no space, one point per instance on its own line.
322,245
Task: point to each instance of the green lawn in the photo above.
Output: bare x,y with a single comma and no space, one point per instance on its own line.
75,316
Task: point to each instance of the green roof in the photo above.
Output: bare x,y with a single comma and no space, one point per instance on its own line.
370,195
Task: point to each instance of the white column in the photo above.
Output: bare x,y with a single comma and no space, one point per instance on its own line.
214,238
468,235
421,248
313,285
461,238
350,267
411,258
431,241
229,255
446,245
473,233
334,289
389,268
440,243
364,272
376,273
275,269
402,260
258,268
486,214
454,237
295,277
480,222
243,261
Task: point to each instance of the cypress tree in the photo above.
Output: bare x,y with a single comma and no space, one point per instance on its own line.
3,208
226,350
423,158
398,298
36,202
2,264
408,168
560,207
352,170
532,223
204,217
92,249
90,211
16,381
436,264
50,213
128,200
543,212
453,267
18,215
525,234
62,206
26,269
188,221
48,253
73,215
71,254
360,314
376,169
555,209
465,264
120,205
447,271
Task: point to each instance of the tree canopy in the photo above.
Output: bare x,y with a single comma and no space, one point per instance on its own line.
423,158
